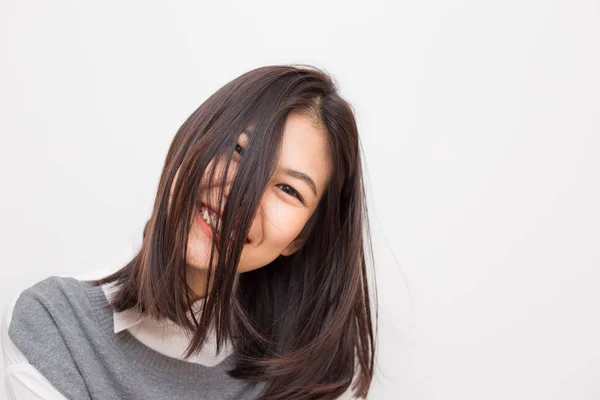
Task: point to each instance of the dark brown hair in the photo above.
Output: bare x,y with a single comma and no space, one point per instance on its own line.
303,324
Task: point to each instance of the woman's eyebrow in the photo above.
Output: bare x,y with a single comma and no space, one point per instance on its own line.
301,175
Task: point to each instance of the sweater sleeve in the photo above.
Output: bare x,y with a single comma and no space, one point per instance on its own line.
39,362
22,380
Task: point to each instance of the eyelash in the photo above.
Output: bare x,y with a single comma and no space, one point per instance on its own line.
294,192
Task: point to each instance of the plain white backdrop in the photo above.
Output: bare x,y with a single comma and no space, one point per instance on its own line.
480,124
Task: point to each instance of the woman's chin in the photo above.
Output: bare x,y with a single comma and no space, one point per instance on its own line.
198,253
199,259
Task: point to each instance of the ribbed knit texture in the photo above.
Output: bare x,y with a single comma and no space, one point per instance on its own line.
65,329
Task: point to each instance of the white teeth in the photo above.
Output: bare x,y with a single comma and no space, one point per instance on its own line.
208,216
211,218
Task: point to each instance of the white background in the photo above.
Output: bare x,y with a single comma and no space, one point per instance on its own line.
480,123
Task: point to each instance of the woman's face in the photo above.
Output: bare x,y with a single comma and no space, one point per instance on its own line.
286,205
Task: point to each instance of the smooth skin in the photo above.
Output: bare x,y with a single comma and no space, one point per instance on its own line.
286,206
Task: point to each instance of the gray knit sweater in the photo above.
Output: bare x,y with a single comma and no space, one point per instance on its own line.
65,329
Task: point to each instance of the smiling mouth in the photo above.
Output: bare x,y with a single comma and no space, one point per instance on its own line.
211,219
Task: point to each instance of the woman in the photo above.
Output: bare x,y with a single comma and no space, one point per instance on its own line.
251,280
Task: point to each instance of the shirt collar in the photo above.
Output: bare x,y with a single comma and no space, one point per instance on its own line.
123,320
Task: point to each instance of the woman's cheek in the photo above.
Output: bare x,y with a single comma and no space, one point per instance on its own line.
283,221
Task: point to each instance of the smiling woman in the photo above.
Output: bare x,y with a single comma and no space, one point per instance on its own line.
256,245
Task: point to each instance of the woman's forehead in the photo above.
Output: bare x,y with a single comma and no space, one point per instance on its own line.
304,150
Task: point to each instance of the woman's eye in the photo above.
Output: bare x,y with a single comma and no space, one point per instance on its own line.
291,191
239,149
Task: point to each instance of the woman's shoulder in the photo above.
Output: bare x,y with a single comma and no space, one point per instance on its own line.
46,301
52,285
47,313
48,291
42,327
21,377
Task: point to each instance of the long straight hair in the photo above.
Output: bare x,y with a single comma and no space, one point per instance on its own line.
302,324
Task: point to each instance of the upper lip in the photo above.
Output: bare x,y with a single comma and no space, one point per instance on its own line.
220,214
